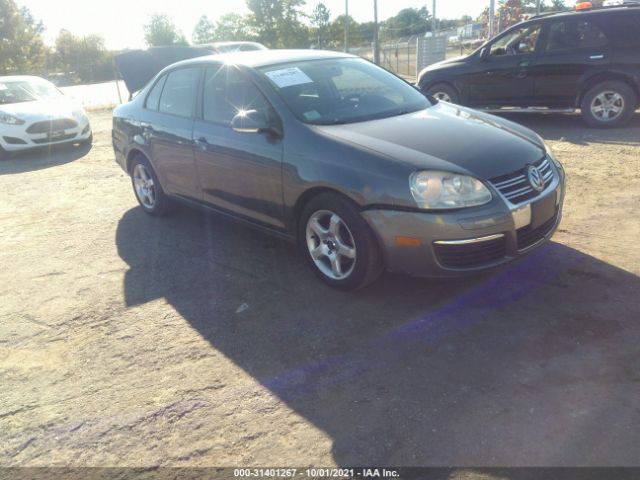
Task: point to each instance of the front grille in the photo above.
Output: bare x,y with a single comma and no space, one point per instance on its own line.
515,186
52,125
528,236
471,255
62,138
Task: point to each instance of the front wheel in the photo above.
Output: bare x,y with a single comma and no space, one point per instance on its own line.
444,92
338,243
608,104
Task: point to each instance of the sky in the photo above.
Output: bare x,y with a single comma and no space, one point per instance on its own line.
120,21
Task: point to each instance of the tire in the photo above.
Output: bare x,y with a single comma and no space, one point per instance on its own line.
146,187
444,92
330,224
603,99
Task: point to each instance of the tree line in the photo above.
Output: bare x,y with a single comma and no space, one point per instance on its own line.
276,24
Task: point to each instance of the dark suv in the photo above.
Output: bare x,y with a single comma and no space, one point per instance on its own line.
586,59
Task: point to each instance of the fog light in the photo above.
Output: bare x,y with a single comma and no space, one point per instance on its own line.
522,216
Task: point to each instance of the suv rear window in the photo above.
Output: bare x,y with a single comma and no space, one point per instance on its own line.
624,30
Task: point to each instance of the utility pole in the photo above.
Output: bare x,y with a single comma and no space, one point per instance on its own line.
492,20
434,26
376,46
346,25
537,7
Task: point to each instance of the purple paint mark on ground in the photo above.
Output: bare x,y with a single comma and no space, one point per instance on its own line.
462,312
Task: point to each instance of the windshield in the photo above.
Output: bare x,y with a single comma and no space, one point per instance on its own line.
17,91
346,90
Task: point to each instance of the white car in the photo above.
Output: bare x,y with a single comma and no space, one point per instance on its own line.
34,113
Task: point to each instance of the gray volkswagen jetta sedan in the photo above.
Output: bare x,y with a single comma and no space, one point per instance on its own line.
338,154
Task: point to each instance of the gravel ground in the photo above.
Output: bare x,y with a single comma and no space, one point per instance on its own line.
127,340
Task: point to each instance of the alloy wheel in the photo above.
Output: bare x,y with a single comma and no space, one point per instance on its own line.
331,244
144,186
607,106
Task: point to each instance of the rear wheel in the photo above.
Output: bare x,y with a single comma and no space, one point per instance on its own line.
338,243
608,104
147,187
444,92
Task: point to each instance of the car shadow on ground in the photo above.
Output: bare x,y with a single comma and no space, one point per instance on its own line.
40,158
571,128
525,365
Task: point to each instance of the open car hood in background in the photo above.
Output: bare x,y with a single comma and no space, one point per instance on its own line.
137,67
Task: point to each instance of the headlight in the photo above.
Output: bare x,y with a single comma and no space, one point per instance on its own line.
79,114
441,190
552,156
10,119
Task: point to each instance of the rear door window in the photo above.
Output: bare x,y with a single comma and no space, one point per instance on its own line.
570,35
179,92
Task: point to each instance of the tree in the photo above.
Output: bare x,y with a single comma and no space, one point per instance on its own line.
407,22
277,23
233,27
204,32
21,47
320,22
161,31
336,33
85,58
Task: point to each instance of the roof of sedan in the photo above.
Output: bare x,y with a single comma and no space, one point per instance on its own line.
17,78
262,58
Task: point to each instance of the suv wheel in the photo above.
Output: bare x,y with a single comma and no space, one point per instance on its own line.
444,92
147,187
338,244
608,104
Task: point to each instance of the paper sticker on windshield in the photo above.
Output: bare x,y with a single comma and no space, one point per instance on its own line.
3,86
288,77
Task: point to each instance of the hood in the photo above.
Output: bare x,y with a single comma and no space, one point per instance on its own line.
446,137
44,109
138,67
448,63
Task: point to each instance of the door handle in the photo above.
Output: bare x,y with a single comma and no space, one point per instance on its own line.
596,57
524,64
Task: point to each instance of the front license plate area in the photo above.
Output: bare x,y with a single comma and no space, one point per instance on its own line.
542,210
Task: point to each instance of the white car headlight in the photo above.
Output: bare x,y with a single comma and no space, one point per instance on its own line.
442,190
10,119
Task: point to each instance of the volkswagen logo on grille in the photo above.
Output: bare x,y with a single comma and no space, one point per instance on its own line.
535,178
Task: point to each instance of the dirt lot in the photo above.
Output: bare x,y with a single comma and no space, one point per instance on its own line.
135,341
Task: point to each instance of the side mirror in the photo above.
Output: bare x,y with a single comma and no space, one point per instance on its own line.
250,121
484,53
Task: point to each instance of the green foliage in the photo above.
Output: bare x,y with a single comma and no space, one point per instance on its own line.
85,58
320,20
21,48
204,32
336,33
277,23
407,22
161,31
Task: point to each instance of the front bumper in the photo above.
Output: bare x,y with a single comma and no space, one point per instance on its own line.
15,138
449,244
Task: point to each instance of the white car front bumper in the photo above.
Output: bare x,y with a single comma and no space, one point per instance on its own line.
14,138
